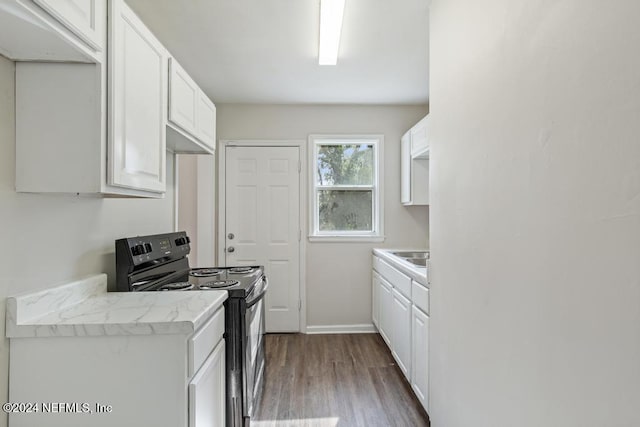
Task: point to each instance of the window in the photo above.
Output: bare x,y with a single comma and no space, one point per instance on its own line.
346,193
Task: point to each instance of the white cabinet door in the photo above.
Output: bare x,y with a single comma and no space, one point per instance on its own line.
184,97
401,327
85,18
405,168
375,305
206,120
137,103
414,172
420,356
419,137
207,392
386,316
190,109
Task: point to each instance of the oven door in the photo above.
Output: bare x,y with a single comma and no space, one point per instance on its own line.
254,348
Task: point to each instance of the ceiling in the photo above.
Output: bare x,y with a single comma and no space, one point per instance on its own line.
266,51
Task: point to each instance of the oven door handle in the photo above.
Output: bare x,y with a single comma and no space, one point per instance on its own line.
258,297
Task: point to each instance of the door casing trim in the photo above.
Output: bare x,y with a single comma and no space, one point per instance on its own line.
221,199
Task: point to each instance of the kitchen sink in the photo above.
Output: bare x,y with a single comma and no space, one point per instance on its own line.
412,255
421,262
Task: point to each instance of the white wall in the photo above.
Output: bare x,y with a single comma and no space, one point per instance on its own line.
195,186
338,275
48,239
535,213
187,183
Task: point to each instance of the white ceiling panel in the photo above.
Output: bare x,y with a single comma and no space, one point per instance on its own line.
266,51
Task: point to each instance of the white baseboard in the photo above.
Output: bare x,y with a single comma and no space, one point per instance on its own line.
367,328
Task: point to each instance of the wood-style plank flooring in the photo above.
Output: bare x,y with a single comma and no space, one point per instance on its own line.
346,380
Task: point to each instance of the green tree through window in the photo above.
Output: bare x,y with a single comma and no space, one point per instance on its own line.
347,165
345,187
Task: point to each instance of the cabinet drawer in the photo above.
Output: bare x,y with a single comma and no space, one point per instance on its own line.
399,280
420,296
202,343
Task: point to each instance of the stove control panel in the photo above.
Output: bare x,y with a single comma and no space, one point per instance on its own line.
139,250
181,241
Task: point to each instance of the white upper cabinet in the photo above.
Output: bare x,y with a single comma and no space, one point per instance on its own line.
85,18
192,115
53,30
405,168
108,135
137,103
414,165
61,134
419,139
206,121
183,98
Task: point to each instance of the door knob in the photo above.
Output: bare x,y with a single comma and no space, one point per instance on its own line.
231,236
231,249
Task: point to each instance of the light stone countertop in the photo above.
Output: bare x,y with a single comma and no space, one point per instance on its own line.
417,273
85,308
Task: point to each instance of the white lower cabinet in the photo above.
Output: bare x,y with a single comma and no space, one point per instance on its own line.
401,321
375,299
420,355
386,307
159,380
400,312
207,392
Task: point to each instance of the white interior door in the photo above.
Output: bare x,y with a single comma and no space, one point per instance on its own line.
262,224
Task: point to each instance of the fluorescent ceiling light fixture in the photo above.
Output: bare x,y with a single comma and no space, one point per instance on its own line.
331,12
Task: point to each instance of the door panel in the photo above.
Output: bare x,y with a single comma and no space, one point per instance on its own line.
263,214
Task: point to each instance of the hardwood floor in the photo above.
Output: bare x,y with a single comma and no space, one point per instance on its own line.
335,381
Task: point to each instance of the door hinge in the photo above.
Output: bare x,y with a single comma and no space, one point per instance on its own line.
299,166
299,304
299,235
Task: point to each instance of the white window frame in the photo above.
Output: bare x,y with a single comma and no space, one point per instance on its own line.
377,235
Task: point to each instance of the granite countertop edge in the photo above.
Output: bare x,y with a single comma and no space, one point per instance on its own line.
109,313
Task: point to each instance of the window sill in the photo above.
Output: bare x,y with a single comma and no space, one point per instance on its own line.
346,239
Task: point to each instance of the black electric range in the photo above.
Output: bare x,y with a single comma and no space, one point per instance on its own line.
159,263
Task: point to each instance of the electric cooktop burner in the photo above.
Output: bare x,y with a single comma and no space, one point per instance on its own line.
219,284
180,286
205,272
241,270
